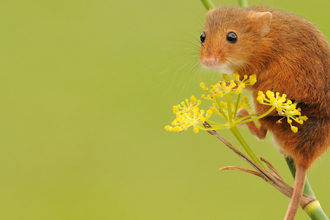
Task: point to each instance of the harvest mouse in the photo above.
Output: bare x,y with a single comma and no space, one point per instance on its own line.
289,55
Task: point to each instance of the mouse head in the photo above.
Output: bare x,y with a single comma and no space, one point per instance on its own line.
233,37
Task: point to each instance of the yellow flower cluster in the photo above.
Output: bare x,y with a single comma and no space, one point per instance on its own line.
246,80
284,107
187,115
244,103
228,86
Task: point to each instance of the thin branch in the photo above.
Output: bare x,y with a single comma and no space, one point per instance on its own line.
272,176
242,170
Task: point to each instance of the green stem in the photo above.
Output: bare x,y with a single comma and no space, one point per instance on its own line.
307,189
256,118
221,109
243,3
230,113
213,127
208,4
237,103
246,146
316,213
216,123
246,117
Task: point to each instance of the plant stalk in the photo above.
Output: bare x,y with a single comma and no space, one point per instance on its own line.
208,4
243,3
314,209
246,146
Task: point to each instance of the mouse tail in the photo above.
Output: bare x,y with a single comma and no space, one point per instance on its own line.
298,189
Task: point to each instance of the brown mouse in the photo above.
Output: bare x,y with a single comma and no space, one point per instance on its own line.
289,55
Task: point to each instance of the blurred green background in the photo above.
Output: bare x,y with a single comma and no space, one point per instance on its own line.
86,88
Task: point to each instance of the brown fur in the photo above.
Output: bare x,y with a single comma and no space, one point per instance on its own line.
293,58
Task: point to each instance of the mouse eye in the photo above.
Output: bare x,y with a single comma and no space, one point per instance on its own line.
231,37
203,36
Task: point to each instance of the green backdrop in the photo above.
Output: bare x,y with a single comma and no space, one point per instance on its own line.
86,88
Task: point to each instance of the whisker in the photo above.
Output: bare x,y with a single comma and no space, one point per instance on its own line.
186,79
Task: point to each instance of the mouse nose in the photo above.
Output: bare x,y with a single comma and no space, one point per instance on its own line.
210,61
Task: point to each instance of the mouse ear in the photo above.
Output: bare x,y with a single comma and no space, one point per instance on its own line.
263,18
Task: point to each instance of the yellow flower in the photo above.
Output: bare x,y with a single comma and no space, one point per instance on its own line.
246,80
244,103
284,107
187,115
228,86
